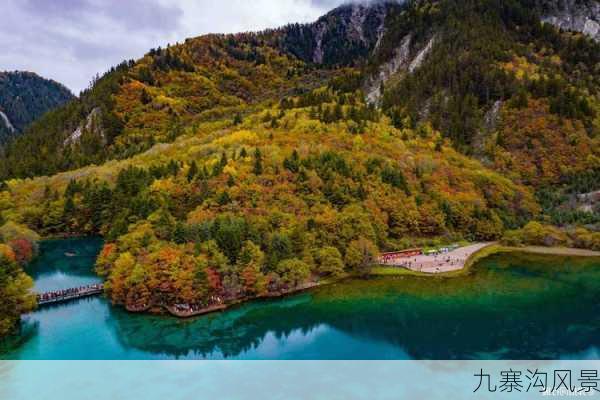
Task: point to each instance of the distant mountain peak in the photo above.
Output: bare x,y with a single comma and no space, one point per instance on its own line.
24,97
346,35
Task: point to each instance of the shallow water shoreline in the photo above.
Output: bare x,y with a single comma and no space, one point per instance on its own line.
558,251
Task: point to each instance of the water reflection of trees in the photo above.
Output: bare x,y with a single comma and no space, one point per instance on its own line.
510,310
544,327
228,334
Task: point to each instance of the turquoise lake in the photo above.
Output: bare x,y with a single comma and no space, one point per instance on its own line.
513,306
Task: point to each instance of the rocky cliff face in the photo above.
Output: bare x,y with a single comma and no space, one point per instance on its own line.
346,35
357,25
6,122
574,15
92,125
406,60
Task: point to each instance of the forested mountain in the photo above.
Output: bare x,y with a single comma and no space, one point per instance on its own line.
24,97
229,166
204,79
475,54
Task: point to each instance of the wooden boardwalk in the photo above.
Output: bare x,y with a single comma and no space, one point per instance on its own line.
61,296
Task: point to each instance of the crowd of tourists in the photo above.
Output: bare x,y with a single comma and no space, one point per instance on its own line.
67,293
435,261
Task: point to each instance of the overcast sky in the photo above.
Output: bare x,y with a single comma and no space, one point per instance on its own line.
72,40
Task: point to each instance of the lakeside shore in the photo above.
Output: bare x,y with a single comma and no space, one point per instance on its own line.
462,259
451,263
444,263
195,312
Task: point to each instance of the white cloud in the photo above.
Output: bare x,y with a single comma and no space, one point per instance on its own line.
72,40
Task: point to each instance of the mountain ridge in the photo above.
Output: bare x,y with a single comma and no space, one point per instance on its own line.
353,35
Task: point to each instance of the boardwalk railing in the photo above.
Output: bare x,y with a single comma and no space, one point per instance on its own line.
60,296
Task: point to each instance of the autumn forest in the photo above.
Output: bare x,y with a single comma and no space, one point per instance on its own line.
229,167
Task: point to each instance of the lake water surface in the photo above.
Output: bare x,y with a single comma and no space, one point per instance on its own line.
512,306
